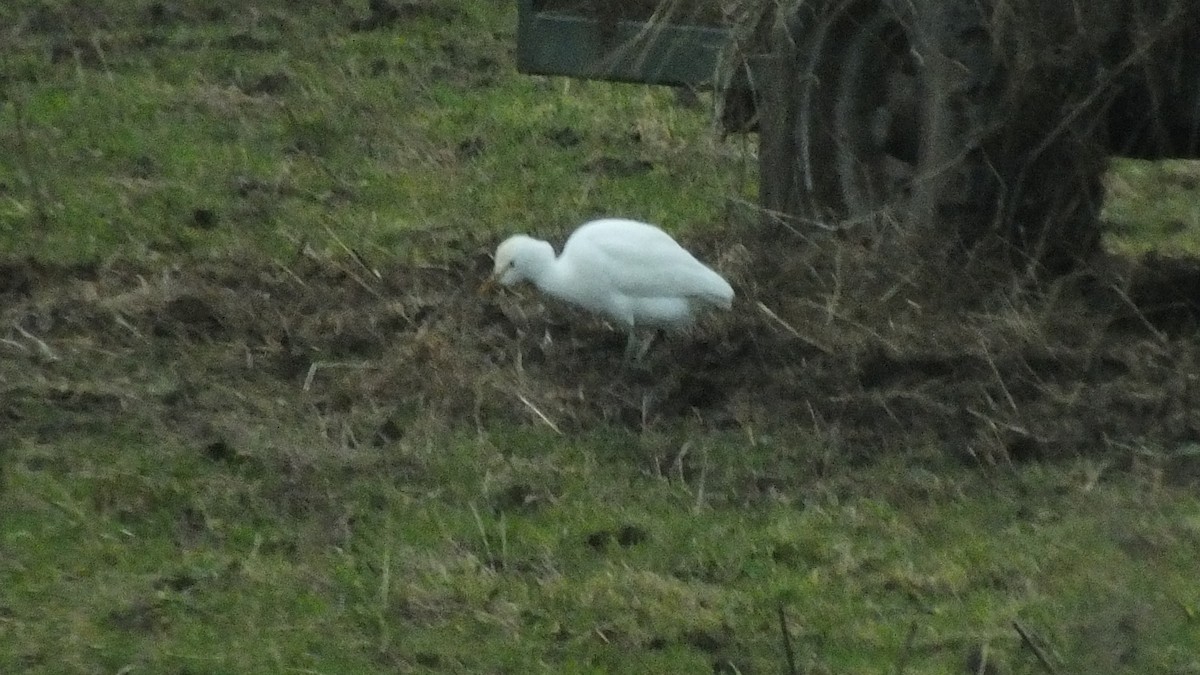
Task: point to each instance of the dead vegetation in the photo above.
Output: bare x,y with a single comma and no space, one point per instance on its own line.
1103,361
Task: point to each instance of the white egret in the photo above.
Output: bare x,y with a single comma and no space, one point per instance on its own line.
631,272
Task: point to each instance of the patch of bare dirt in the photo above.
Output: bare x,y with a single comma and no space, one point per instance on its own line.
1106,360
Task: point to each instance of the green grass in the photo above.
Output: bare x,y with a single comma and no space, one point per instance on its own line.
259,530
511,551
371,135
1154,206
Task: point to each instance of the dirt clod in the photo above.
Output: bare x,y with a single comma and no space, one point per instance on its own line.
190,316
220,451
204,218
598,540
631,535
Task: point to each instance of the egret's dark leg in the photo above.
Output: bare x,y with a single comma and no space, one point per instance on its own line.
631,347
646,345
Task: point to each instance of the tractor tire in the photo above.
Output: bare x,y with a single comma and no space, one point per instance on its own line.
902,120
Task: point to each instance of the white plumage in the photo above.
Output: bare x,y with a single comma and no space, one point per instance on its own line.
631,272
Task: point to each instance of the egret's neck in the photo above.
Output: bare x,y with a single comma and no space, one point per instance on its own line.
552,275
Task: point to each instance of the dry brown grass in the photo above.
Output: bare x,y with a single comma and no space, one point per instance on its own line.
819,338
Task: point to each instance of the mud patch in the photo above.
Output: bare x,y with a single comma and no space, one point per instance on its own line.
1070,371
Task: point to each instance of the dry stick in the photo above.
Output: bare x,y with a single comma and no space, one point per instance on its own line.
788,654
358,257
997,422
784,218
120,321
367,287
295,277
856,324
15,345
108,73
348,272
703,479
987,355
483,535
385,587
1037,651
318,365
684,450
541,415
43,348
795,333
1158,335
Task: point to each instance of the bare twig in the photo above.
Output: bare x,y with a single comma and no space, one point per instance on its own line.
358,257
680,458
1158,334
987,356
385,590
43,348
359,280
997,423
15,345
483,535
295,277
120,321
541,415
318,365
1027,638
785,219
812,342
891,346
788,654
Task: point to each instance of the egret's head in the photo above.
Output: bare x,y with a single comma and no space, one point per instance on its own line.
521,258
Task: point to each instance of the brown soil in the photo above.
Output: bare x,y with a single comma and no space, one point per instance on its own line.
1103,362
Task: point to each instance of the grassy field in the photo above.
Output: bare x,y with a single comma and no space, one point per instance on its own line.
245,426
285,126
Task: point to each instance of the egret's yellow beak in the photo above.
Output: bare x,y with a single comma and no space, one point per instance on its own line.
488,285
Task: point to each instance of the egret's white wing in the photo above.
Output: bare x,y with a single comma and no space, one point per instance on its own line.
640,260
